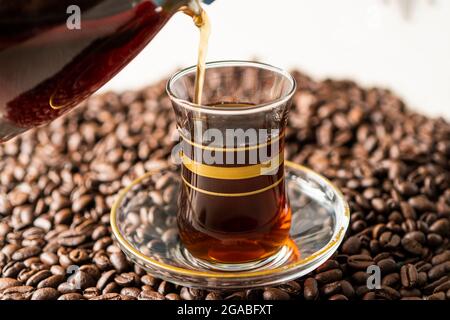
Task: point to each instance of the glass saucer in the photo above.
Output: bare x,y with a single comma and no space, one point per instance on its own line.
143,221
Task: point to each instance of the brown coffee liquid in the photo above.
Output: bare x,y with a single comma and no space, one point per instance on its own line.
226,216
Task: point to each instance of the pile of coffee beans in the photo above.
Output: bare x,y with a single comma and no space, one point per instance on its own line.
58,183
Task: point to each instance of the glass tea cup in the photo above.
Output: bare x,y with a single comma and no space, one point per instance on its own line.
233,211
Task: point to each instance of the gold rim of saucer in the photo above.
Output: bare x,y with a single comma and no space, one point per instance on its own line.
217,274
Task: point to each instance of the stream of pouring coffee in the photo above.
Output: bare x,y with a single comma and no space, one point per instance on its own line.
201,20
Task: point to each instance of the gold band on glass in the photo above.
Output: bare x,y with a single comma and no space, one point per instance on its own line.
232,173
240,194
230,149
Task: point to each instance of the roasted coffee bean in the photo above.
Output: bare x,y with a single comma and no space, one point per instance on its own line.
49,258
434,239
105,278
443,287
175,296
82,280
78,256
99,232
67,287
38,277
381,256
45,294
379,205
352,245
412,246
328,265
102,243
275,294
63,216
360,277
58,270
408,211
26,252
9,249
387,265
151,295
12,269
91,292
165,287
43,222
389,240
437,296
34,263
126,279
91,269
8,282
102,261
329,276
423,266
421,203
422,279
111,287
209,296
361,291
439,270
133,292
310,289
416,235
390,280
387,293
441,227
330,289
360,262
408,275
441,258
406,188
150,280
26,274
347,290
82,203
430,287
17,293
71,238
119,261
52,281
17,198
191,294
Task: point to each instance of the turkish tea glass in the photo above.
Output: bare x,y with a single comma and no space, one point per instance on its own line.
233,211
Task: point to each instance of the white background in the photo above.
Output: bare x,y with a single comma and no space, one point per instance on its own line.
370,41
